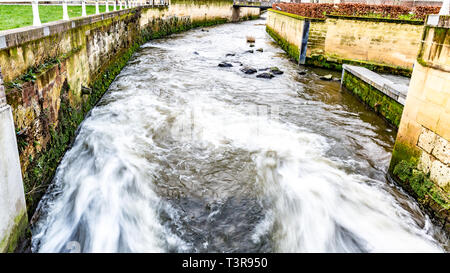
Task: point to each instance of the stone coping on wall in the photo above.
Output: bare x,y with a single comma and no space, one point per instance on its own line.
395,91
14,37
375,19
348,17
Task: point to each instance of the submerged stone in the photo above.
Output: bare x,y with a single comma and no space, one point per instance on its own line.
248,70
249,51
265,75
328,77
230,54
260,50
225,64
276,71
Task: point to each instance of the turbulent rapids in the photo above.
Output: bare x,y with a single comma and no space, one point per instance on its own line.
181,155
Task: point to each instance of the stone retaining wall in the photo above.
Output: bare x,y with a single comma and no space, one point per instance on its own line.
421,157
383,45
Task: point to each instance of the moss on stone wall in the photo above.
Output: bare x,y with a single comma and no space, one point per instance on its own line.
428,194
404,152
382,104
291,49
10,242
335,63
403,168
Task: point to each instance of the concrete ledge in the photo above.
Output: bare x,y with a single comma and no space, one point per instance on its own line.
17,36
377,92
395,91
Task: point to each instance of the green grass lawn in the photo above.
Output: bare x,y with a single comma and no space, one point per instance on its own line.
14,16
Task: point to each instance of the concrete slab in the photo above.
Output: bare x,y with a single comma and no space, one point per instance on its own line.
395,90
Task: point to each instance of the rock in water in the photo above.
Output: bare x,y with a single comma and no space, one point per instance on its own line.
302,72
252,45
230,55
265,75
260,50
336,79
225,64
276,71
248,70
250,39
328,77
249,51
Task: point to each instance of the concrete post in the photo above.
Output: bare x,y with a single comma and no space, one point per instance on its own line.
114,5
65,12
13,211
445,8
106,6
120,5
235,15
36,19
83,8
97,11
126,4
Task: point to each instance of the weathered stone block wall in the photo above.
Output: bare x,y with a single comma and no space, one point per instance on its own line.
421,156
54,74
383,41
383,45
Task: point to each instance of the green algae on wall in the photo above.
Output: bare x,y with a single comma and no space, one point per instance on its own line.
291,49
10,241
431,197
382,104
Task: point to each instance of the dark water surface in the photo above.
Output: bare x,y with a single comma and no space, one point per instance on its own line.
181,155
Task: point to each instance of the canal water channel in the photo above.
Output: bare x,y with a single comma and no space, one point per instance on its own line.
181,155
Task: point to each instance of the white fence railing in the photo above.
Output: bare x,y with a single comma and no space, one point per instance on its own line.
110,5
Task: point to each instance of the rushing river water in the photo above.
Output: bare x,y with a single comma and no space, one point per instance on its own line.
181,155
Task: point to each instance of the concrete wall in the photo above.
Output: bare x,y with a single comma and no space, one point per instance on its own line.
381,44
380,94
54,74
421,156
197,10
384,42
13,213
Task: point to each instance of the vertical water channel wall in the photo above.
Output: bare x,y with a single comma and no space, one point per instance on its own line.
421,156
13,212
381,45
54,74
